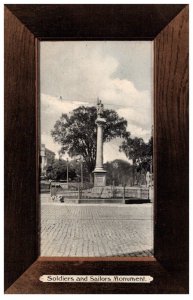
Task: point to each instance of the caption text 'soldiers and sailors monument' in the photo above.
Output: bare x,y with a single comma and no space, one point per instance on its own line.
99,172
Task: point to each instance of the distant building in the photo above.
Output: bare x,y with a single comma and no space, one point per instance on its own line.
46,158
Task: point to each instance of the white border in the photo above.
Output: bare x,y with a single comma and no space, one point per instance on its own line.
2,147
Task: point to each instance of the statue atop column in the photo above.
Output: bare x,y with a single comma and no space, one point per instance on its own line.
100,108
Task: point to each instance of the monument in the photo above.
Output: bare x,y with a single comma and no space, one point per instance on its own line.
99,172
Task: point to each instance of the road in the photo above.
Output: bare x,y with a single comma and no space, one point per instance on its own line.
96,230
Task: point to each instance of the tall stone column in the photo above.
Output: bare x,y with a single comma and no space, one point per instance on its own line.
99,156
99,172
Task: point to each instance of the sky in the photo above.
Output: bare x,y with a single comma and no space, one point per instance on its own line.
74,73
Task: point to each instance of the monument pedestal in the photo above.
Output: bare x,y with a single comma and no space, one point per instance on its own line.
99,177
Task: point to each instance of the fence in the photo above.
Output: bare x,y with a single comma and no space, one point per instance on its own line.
44,187
97,194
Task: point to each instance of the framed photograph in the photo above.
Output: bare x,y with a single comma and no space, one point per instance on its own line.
96,149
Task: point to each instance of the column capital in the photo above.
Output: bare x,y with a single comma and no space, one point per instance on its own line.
100,121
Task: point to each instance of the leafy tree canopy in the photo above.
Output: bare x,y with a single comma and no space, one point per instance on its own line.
138,151
76,132
58,170
118,172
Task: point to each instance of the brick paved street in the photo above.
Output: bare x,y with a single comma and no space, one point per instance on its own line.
96,230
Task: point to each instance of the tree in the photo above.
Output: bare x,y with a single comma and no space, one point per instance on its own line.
139,152
119,172
58,170
77,132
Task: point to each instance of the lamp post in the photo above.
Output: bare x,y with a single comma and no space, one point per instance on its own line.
81,171
67,179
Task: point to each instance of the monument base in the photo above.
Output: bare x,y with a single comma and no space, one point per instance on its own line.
100,178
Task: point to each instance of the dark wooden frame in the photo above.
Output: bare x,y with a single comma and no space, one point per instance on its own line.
25,26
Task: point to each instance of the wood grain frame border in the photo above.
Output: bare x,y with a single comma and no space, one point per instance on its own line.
167,26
